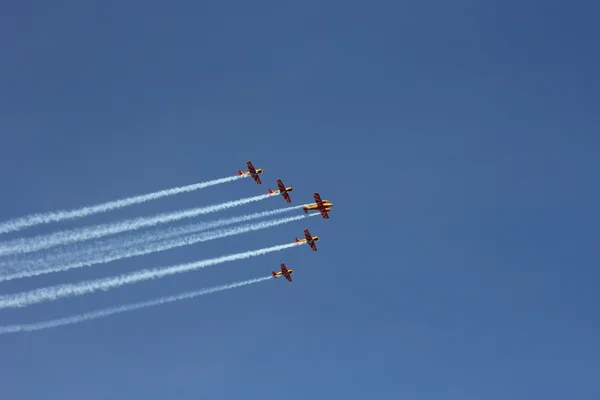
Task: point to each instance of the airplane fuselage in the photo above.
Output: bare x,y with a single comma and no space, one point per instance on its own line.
277,274
325,207
314,239
287,189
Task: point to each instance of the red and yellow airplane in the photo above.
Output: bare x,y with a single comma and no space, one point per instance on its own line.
324,206
253,172
285,272
283,190
308,238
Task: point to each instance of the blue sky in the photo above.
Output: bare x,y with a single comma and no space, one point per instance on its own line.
458,141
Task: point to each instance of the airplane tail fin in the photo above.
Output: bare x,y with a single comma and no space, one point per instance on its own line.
274,274
240,172
270,191
305,210
297,240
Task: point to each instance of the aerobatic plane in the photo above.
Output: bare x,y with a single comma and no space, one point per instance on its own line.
283,190
323,206
285,272
253,172
308,238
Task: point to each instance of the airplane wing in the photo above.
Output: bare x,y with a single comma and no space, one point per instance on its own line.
313,246
318,200
286,196
256,178
284,269
324,214
307,235
251,168
280,185
288,277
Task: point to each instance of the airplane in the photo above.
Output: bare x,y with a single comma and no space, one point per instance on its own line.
285,272
324,206
308,238
253,172
283,190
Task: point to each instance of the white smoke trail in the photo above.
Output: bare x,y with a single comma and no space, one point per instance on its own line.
64,257
85,287
154,247
55,216
125,308
27,245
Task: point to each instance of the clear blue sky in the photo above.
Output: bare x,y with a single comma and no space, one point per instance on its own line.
458,140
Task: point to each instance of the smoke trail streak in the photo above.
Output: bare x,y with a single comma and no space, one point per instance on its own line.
24,268
52,293
125,308
155,247
55,216
27,245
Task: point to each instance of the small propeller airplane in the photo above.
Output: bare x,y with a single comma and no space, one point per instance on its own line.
308,238
283,190
253,172
285,272
324,206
